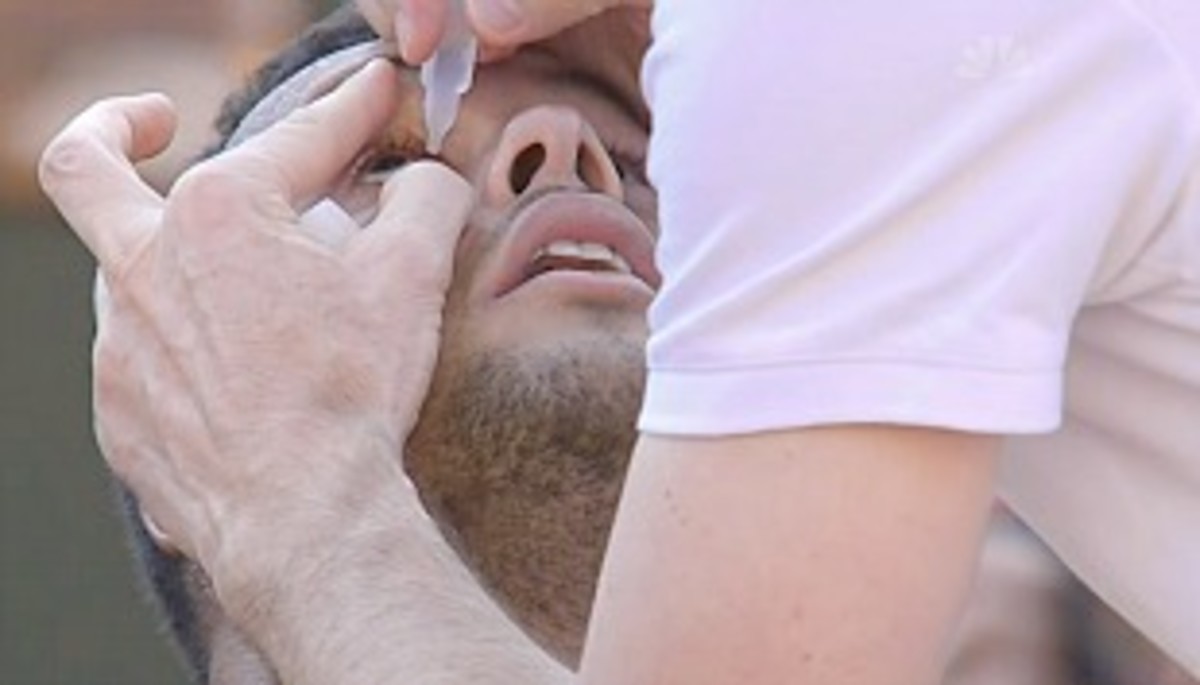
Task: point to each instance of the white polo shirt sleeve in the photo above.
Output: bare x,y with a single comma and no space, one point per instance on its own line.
893,212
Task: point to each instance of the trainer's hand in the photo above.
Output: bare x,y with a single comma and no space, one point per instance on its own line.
502,25
254,387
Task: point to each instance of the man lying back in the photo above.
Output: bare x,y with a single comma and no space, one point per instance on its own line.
522,444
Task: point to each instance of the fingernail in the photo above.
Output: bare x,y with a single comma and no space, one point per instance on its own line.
498,17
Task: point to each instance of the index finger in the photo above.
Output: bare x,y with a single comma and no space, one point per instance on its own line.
88,171
302,157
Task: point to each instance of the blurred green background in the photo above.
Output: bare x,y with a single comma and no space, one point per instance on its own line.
70,607
68,596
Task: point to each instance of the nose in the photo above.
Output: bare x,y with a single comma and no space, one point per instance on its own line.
550,146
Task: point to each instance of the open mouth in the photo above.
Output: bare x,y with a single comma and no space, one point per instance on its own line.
577,233
568,255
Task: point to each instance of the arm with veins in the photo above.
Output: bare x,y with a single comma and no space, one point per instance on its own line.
386,600
756,568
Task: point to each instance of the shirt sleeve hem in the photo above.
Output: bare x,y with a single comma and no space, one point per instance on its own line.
752,400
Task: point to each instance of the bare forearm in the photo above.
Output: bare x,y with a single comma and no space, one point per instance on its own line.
253,387
836,556
385,600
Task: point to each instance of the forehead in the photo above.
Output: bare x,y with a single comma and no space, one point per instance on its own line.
533,76
537,74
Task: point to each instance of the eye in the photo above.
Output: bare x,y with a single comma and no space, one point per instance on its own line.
628,164
358,193
379,164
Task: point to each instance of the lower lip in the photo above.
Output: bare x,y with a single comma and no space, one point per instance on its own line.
591,286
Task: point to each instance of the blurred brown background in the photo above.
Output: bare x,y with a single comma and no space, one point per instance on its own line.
69,608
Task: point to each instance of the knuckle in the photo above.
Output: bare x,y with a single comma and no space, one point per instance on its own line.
73,153
301,125
208,186
298,122
207,196
64,160
110,378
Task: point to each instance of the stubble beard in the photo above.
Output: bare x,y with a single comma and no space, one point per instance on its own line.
520,455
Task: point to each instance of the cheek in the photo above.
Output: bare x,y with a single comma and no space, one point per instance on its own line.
470,145
642,199
472,261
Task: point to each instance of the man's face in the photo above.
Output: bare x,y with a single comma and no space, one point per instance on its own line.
560,247
522,444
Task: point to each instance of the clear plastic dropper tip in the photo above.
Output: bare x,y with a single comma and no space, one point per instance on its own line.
447,76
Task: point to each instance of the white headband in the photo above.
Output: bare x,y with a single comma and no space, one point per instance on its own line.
326,222
303,87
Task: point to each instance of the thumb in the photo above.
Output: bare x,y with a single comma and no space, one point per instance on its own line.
422,213
510,23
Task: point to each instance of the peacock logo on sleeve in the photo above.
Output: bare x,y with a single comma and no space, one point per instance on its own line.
994,58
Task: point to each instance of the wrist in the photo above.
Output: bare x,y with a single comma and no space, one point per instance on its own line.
365,590
335,512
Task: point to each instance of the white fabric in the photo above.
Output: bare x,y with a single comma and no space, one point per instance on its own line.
305,86
958,213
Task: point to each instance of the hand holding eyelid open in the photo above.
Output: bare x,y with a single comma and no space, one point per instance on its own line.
238,362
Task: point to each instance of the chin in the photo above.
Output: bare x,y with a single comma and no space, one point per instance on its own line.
520,454
567,326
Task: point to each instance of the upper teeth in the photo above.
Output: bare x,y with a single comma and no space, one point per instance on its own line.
592,252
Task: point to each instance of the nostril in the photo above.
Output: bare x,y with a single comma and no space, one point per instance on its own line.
525,166
591,168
